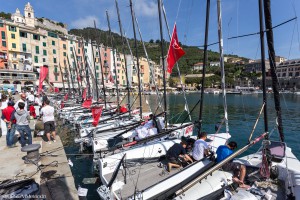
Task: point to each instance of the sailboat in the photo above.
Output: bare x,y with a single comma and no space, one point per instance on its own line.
138,173
272,172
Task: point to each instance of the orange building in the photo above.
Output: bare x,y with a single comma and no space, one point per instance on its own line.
3,46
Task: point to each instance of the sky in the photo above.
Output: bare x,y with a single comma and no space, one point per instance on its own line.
239,17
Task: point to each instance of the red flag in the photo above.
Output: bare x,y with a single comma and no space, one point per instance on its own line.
84,94
56,90
111,78
87,103
175,52
62,105
43,75
66,97
78,78
96,112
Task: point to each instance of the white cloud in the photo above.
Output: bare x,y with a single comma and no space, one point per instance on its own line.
145,8
84,22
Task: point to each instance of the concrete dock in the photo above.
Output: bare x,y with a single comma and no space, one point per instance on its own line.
53,174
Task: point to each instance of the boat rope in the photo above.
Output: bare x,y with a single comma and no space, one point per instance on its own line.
214,135
264,168
256,122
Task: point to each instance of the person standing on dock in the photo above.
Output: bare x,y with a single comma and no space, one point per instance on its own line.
23,99
6,116
21,116
48,119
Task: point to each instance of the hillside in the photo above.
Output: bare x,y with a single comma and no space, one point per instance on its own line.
193,54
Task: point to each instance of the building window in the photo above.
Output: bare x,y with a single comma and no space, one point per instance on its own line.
71,42
53,42
55,69
23,34
64,46
24,47
97,53
54,60
14,45
1,24
37,49
97,67
13,36
3,35
36,37
65,54
85,50
97,75
45,52
71,48
44,60
78,51
3,43
56,78
54,51
36,59
14,55
12,28
105,54
44,44
50,34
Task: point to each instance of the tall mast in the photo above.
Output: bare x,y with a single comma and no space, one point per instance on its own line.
87,76
123,51
137,58
71,74
114,58
204,63
62,77
275,86
77,74
101,68
221,49
95,72
67,72
163,59
263,65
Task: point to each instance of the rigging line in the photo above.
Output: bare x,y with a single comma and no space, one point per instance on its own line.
257,33
292,40
188,22
177,10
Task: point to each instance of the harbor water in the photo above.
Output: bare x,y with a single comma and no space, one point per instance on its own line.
243,111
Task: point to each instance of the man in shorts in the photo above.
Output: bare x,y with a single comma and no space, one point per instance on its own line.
239,170
48,119
176,154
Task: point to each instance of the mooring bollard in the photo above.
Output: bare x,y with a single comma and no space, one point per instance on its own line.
33,155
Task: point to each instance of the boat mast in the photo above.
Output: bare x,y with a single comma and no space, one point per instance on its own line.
101,67
221,49
95,72
87,74
114,58
77,74
67,73
263,65
62,77
163,59
137,59
204,64
123,51
71,74
275,85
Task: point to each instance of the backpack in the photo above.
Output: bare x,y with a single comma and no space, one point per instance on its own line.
19,189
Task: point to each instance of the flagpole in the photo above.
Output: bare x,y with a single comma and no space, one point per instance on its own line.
137,59
163,59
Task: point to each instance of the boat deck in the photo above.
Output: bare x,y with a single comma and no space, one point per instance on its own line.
140,175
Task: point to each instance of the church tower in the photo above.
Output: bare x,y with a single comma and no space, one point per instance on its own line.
29,15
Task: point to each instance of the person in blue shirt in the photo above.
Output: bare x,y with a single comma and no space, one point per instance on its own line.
239,170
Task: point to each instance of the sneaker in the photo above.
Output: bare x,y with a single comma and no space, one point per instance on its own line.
49,142
54,140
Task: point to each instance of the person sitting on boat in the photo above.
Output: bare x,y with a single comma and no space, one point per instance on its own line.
239,170
200,147
148,129
176,155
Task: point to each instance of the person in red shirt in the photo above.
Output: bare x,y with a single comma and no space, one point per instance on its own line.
123,109
6,116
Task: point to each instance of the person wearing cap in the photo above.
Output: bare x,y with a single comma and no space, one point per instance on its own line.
176,155
23,99
6,116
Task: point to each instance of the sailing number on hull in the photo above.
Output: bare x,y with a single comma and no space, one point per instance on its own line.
189,130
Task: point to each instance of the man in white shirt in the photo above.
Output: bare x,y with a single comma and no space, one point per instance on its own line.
30,97
48,119
200,147
23,99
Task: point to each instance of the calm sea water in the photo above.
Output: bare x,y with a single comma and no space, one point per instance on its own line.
242,113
